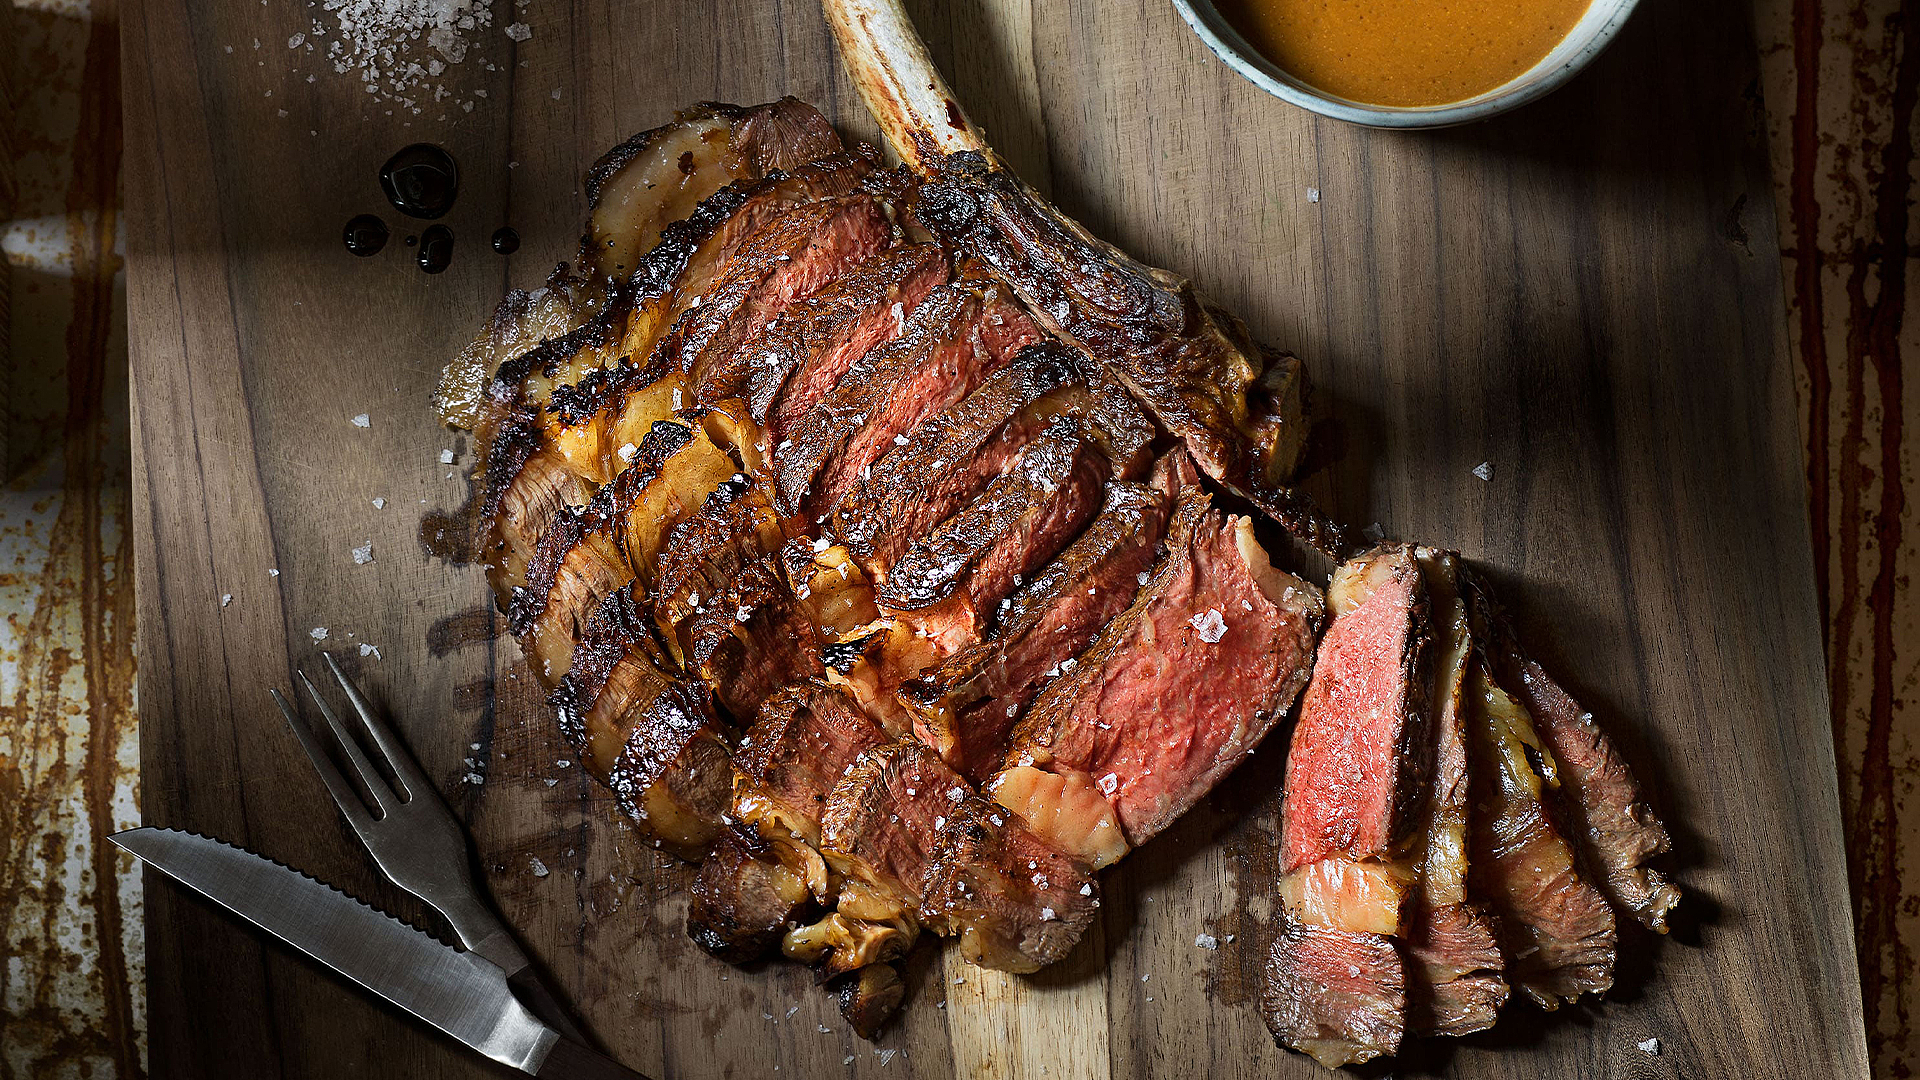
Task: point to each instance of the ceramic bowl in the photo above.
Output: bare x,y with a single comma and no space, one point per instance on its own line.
1590,35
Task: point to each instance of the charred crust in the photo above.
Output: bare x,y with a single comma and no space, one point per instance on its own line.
841,656
573,523
869,997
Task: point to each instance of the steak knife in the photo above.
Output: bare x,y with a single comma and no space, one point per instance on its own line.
458,992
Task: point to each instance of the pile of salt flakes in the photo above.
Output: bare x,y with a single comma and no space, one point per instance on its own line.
399,49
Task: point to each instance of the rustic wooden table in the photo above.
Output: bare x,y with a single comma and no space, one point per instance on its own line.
1584,294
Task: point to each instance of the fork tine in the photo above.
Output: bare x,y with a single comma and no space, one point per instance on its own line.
412,781
343,794
376,784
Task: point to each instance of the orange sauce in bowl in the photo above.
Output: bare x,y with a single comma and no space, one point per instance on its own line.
1404,52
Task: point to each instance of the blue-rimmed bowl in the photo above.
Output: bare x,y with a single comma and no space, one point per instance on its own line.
1590,35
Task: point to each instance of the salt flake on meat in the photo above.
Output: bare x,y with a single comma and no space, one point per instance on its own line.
1210,624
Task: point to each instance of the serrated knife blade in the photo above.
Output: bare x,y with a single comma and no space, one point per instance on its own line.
457,992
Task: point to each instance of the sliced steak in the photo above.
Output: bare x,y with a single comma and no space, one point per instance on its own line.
1187,681
796,363
695,252
965,707
1192,363
1016,903
1556,930
789,258
1350,799
925,479
881,825
651,737
745,898
1363,748
961,333
1454,969
751,639
675,469
1455,984
577,565
658,176
947,584
1606,812
704,554
803,742
1334,994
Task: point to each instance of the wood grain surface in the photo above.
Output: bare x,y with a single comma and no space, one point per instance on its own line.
1585,294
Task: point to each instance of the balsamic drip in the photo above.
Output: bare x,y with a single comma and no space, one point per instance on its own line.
505,240
365,235
421,181
436,248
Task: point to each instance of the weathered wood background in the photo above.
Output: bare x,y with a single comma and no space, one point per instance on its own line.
1585,295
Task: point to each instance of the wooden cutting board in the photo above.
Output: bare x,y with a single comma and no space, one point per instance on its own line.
1584,295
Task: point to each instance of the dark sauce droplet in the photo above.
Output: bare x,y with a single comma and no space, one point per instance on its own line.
505,240
365,235
412,239
421,181
436,248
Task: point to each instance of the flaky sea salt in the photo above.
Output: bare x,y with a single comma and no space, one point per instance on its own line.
539,868
446,457
379,503
370,650
519,31
363,554
1047,914
1206,941
318,633
363,420
1651,1046
225,599
1484,470
1313,194
1210,624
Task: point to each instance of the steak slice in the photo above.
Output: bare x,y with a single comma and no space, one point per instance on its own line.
577,565
1556,930
1606,812
802,359
946,585
965,707
704,554
1015,903
1353,786
658,176
881,824
646,734
1334,994
789,258
695,252
663,175
925,479
666,484
806,738
1186,682
745,898
961,333
752,639
1454,982
1192,363
1363,747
